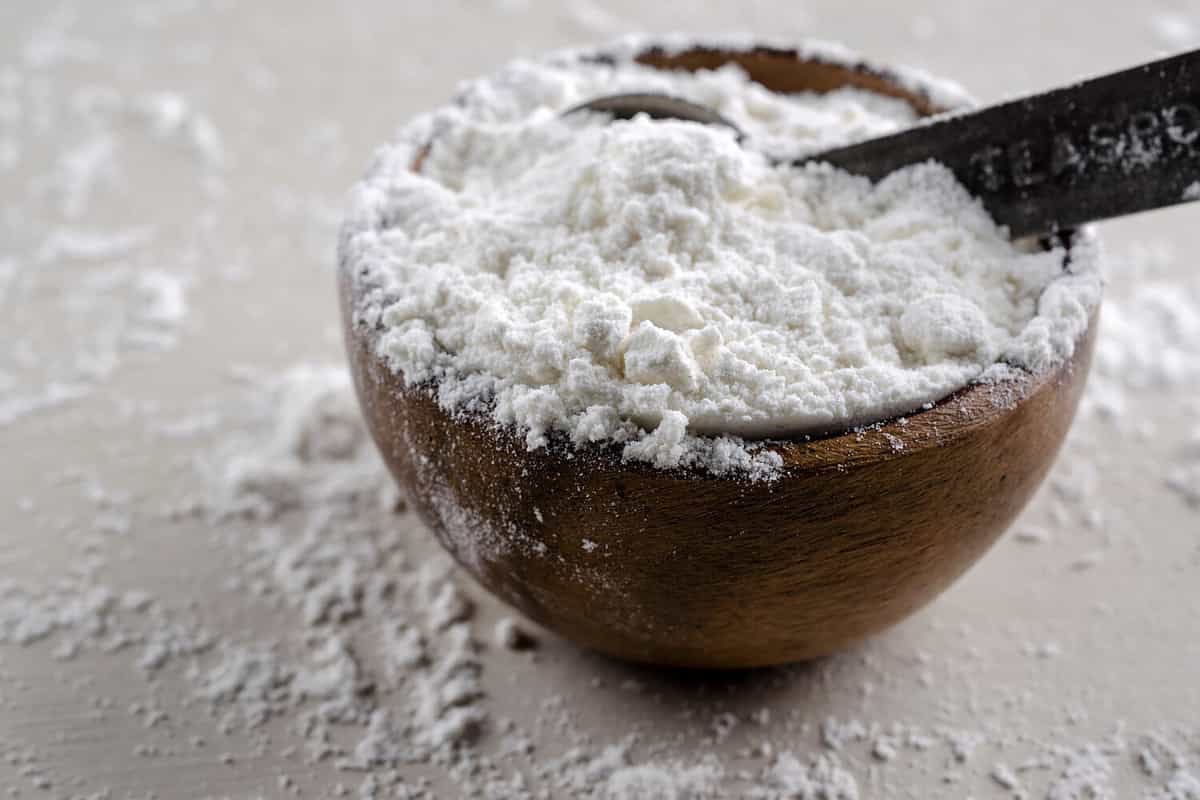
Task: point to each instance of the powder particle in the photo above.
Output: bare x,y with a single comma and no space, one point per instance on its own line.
1155,756
1181,786
405,648
82,170
962,743
170,116
821,778
87,245
591,17
664,781
446,604
1088,773
1005,777
164,298
511,635
1031,535
1086,561
884,749
658,285
1043,650
835,733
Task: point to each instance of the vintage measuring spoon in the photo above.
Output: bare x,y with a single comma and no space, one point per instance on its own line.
1105,147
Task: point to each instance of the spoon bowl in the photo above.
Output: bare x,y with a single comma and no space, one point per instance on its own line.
656,106
690,569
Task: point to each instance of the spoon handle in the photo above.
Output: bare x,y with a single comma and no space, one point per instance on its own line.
1106,147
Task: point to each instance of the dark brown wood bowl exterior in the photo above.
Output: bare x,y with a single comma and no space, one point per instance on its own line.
688,569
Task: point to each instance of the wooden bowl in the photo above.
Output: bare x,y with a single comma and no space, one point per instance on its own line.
687,569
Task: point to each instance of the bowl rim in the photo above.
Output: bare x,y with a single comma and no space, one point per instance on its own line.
935,424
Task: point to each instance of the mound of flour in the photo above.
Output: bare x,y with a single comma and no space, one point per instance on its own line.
660,285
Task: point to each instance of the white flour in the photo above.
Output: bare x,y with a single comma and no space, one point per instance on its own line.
652,282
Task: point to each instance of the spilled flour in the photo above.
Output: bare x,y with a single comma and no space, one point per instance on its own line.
339,566
379,667
660,285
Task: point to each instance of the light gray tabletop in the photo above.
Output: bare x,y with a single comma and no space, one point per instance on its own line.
171,178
